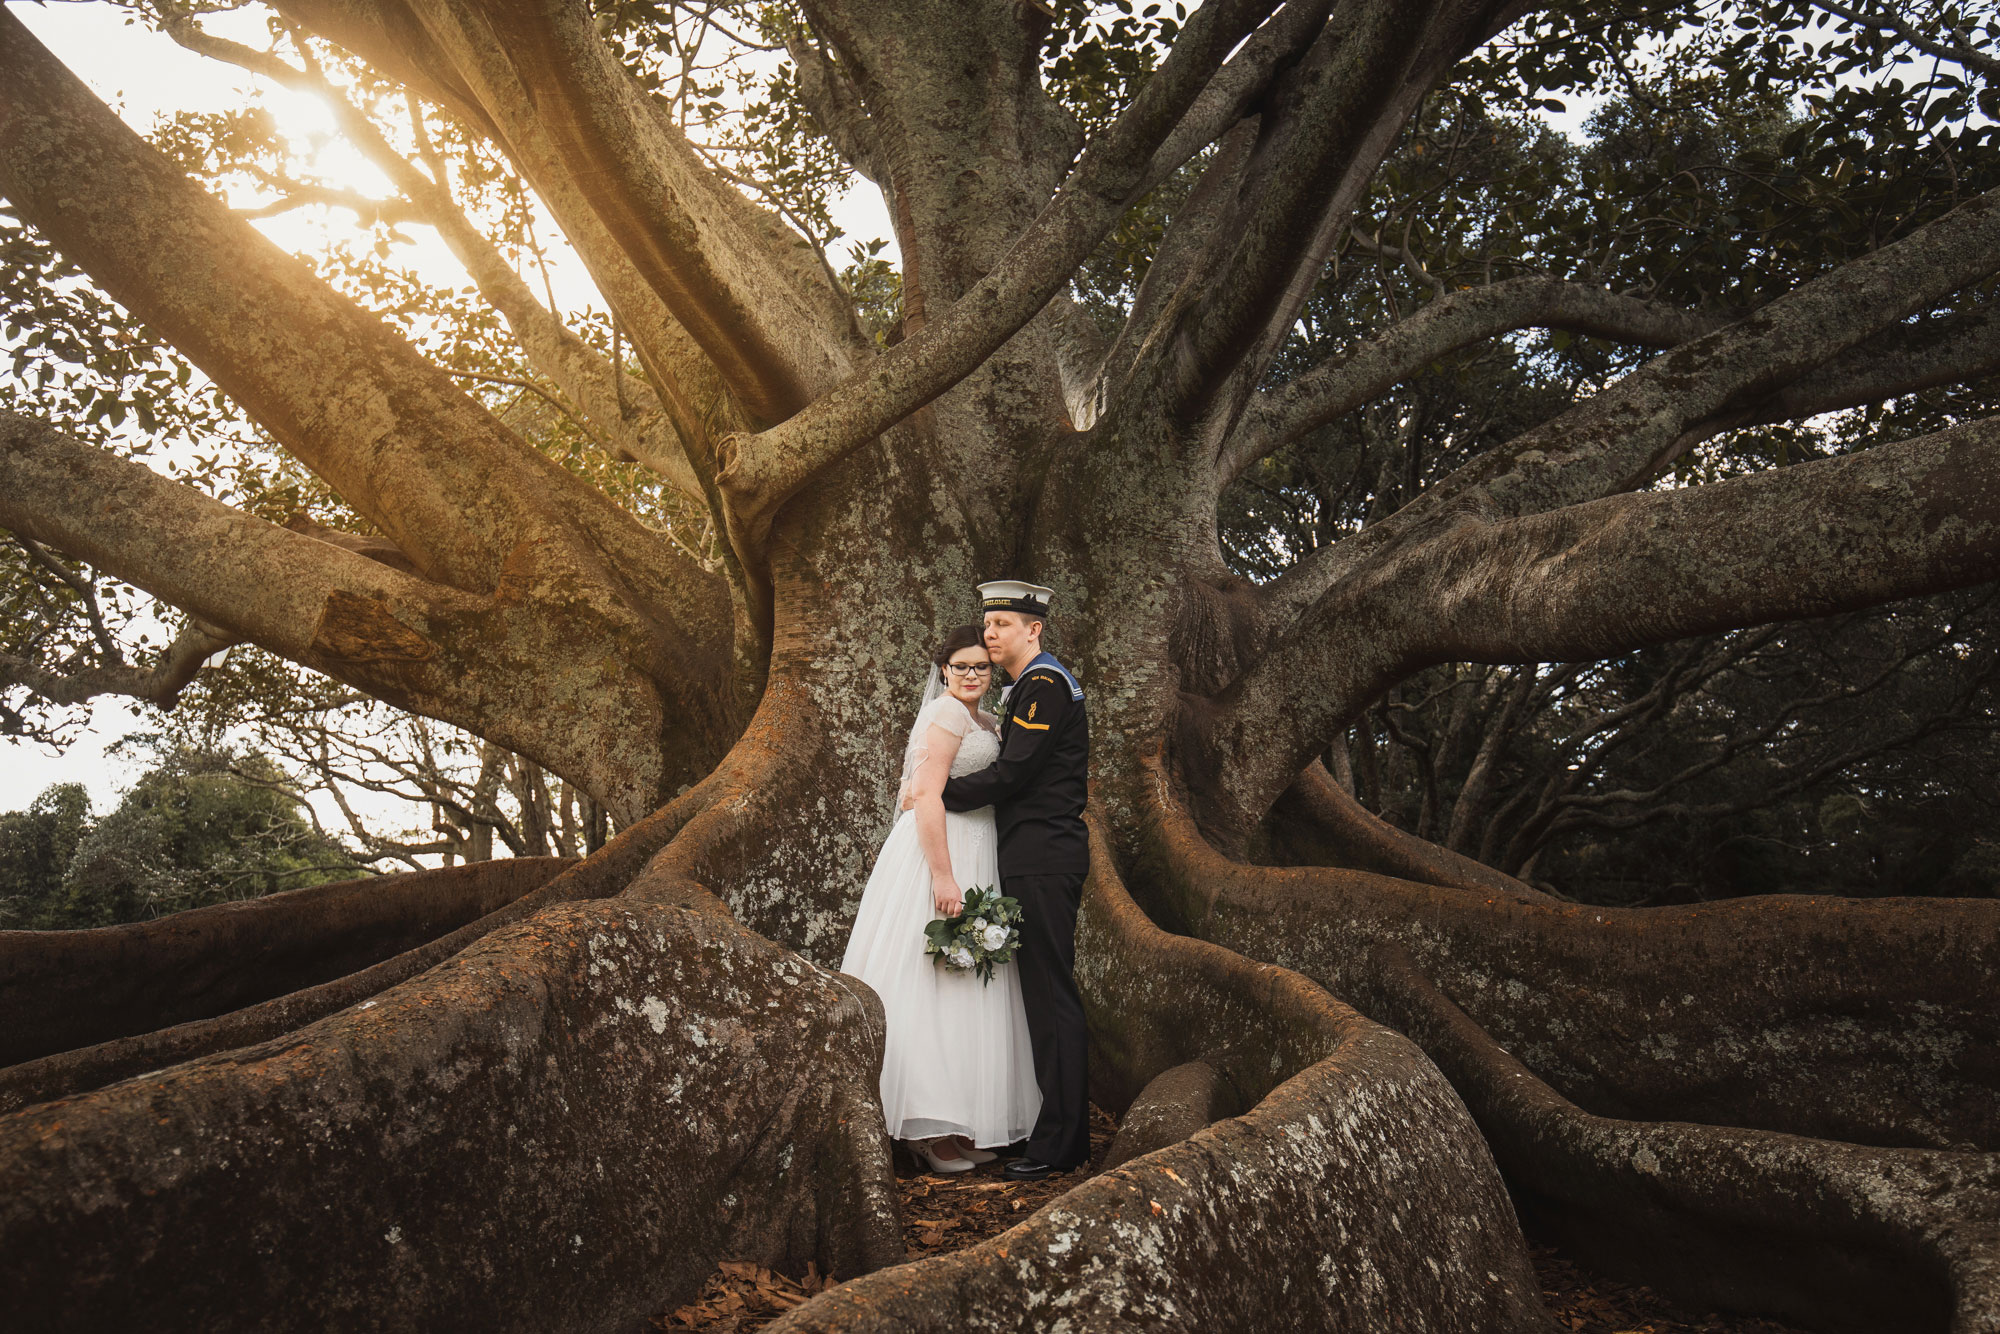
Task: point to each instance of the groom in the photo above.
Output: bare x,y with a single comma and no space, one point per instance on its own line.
1036,789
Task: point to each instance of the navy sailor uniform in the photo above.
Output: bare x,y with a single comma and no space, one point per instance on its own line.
1038,785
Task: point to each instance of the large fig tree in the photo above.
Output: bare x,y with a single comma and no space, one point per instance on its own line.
533,1094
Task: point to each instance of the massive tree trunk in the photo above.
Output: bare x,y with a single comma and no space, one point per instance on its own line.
557,1103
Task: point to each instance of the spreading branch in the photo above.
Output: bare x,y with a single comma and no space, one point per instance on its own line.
342,606
358,405
1593,580
1367,369
1906,359
1625,435
242,578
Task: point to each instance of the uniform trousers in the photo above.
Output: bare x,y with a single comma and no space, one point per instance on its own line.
1061,1137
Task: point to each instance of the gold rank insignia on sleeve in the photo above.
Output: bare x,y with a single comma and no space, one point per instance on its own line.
1021,720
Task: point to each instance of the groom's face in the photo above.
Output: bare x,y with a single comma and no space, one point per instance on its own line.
1012,639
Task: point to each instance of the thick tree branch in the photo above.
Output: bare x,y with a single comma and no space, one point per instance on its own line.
1332,120
242,578
1456,320
1623,436
334,385
1240,85
1905,359
1592,580
340,605
1185,246
1224,115
761,472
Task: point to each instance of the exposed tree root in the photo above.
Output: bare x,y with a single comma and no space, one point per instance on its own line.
564,1127
602,1100
1586,1040
565,1124
1355,1195
1866,1021
1835,1236
61,990
69,1072
1174,1104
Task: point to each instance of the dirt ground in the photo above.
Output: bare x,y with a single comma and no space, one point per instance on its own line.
943,1214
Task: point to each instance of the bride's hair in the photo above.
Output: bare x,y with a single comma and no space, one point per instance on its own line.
964,636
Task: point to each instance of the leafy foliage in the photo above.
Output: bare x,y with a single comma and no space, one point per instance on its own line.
1852,756
201,828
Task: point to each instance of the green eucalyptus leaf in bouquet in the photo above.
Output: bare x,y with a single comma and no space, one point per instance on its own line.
984,934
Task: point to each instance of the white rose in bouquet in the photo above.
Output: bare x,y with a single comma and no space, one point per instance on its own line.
993,936
960,957
979,924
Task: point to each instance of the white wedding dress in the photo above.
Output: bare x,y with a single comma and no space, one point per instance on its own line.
957,1059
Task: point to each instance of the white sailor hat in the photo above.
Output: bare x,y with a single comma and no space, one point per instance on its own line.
1013,595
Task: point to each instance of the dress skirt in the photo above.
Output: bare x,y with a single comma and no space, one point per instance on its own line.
956,1059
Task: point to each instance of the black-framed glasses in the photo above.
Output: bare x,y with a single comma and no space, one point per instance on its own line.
969,668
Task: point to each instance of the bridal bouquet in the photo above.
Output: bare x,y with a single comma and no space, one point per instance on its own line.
982,935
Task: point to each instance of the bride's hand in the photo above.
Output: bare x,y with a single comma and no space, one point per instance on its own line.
946,896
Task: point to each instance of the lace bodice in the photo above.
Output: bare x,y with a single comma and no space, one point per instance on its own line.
980,748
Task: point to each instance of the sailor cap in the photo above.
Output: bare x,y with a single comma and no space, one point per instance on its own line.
1013,595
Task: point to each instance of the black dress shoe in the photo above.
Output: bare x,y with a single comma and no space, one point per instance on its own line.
1027,1169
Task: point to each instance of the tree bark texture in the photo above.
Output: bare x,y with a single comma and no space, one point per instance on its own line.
539,1096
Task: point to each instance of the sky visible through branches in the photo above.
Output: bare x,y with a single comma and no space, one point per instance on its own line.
147,77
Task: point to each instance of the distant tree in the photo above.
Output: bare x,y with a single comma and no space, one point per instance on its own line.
36,846
203,827
1854,755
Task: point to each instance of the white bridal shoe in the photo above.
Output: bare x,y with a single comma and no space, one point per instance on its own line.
974,1154
944,1166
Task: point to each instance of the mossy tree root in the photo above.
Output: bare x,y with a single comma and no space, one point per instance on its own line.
1786,1105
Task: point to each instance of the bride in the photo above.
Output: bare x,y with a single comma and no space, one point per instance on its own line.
958,1073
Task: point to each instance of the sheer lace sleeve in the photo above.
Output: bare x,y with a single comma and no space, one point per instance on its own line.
948,713
943,713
